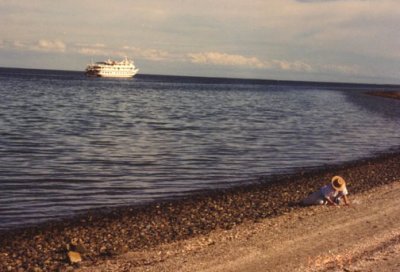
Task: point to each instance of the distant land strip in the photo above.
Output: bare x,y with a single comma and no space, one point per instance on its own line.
388,94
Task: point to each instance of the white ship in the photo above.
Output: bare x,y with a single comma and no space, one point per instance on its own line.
125,69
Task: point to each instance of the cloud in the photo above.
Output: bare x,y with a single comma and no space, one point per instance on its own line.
97,49
341,69
316,1
216,58
149,53
20,45
224,59
42,45
50,46
16,45
293,65
96,45
122,51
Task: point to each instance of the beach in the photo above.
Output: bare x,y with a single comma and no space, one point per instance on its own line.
175,235
363,237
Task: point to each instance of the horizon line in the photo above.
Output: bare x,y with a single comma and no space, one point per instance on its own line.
228,78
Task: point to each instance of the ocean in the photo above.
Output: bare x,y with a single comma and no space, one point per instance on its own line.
70,143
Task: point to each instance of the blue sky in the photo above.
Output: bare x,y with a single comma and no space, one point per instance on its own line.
331,40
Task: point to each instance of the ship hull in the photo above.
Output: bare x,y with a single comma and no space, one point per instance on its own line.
110,74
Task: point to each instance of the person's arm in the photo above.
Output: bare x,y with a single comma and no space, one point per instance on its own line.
346,200
330,202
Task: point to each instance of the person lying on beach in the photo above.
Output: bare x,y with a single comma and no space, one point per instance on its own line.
330,194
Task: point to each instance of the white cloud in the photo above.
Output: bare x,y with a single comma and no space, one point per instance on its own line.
95,45
50,46
121,51
216,58
18,45
148,53
42,45
293,65
342,69
96,49
93,51
224,59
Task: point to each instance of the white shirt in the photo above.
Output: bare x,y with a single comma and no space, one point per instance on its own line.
329,192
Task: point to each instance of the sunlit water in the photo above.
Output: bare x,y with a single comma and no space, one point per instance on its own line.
69,143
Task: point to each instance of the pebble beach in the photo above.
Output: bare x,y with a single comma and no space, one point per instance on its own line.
105,234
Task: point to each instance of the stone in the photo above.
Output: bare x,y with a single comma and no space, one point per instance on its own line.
80,248
74,257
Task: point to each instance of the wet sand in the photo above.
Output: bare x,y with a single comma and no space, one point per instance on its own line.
104,235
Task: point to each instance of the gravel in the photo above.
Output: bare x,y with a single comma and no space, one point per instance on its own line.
102,234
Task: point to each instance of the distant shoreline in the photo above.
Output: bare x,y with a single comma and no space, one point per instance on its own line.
387,94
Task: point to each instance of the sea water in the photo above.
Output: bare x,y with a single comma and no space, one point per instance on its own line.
70,143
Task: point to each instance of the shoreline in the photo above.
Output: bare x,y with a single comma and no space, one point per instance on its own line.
386,94
103,235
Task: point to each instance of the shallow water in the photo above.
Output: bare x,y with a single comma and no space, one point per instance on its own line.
70,143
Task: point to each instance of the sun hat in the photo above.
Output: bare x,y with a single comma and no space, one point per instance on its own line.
338,183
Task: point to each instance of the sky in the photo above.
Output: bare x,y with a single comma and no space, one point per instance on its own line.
311,40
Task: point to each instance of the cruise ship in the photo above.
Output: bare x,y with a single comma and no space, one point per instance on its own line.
122,69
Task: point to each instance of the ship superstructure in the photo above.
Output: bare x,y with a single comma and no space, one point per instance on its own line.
123,69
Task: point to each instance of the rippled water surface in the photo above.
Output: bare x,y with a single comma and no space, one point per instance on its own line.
69,143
